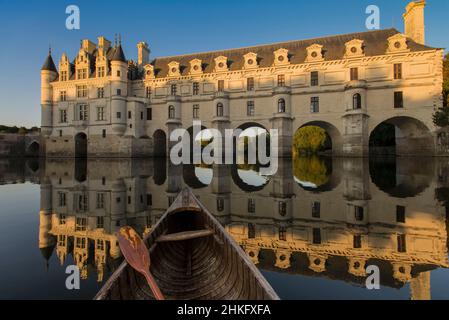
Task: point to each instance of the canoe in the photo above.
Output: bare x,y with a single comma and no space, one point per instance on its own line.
192,258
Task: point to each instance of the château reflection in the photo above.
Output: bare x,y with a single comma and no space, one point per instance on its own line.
319,217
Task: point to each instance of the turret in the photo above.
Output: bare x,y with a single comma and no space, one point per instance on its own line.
414,21
119,87
49,73
143,54
47,242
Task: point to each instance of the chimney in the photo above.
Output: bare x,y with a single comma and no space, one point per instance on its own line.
414,21
103,43
88,46
143,54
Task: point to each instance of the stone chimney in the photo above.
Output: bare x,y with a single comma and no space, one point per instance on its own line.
414,21
143,54
88,46
103,43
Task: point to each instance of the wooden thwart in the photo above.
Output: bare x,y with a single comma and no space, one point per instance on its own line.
186,235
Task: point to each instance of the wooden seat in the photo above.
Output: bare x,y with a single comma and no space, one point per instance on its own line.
183,236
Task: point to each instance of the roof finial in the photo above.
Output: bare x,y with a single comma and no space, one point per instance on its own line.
115,39
49,49
119,39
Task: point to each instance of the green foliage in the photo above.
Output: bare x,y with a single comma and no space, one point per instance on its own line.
441,117
22,130
310,139
311,169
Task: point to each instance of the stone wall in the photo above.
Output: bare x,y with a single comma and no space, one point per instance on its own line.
18,145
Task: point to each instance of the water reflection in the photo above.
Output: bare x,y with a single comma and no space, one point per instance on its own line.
316,217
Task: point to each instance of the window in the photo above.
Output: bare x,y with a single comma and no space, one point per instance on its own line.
314,78
282,209
196,88
129,199
62,199
149,199
63,96
100,93
101,72
281,80
196,111
250,84
81,73
171,199
64,76
63,116
118,73
60,133
282,234
316,210
81,91
357,243
103,180
119,92
316,236
62,240
251,231
314,104
119,115
82,112
100,244
81,202
220,110
398,71
220,85
130,115
398,100
100,114
354,74
251,206
62,220
220,204
281,105
100,222
402,245
149,114
103,134
81,224
80,243
400,214
358,213
357,101
171,112
148,92
100,200
173,89
250,110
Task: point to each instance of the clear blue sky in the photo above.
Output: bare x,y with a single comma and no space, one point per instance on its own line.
172,27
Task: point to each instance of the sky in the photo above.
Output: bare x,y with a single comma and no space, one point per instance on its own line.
172,27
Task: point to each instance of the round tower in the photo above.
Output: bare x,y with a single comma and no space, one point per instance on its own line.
119,88
49,73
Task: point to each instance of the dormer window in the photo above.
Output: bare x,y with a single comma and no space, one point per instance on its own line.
64,76
354,48
397,43
81,74
149,71
101,72
315,53
173,69
250,61
281,57
196,66
221,64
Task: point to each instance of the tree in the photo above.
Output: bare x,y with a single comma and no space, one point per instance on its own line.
310,139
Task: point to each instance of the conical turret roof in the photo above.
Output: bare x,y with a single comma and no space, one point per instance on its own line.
118,54
49,64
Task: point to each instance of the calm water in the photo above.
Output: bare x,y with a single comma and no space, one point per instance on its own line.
311,228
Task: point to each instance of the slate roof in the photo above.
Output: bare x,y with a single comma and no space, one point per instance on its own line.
49,64
375,43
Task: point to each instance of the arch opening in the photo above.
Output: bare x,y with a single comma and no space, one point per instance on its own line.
33,149
160,144
81,145
316,137
250,135
401,136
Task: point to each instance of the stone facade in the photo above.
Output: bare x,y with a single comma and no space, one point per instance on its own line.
347,84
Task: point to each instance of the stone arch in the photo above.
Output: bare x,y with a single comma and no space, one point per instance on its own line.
401,136
160,144
332,132
245,185
81,145
190,177
33,149
244,126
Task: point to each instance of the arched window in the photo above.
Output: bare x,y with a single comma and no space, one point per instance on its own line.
281,105
357,101
171,112
219,110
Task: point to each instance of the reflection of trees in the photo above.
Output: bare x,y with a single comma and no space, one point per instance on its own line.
310,139
311,169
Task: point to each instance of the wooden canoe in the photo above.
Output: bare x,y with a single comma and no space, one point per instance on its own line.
192,258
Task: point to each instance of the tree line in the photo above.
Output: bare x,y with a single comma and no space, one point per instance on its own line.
18,130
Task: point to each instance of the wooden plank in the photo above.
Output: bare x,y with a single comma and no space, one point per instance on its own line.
183,236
